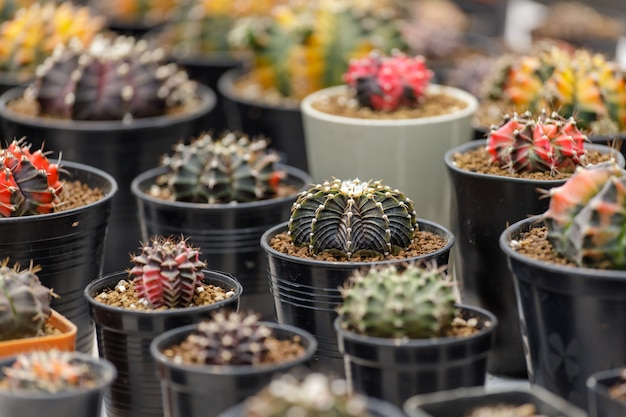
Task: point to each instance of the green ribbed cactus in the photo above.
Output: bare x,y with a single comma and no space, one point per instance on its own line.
231,168
24,302
49,371
414,303
109,79
314,396
586,218
348,218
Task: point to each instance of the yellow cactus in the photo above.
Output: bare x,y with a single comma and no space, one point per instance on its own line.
34,32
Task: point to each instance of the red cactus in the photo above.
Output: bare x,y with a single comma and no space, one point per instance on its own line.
388,82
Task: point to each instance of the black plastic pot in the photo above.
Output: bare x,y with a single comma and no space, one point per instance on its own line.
601,404
573,319
228,235
461,401
206,391
122,150
68,245
84,402
281,124
124,338
375,408
306,291
482,207
394,370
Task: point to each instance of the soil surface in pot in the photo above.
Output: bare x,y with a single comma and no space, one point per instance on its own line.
618,391
423,243
535,244
124,295
479,161
76,194
246,87
496,410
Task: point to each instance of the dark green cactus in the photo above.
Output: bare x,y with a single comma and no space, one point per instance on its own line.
231,168
348,218
24,302
415,303
109,79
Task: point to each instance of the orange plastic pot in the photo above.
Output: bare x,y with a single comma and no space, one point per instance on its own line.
66,340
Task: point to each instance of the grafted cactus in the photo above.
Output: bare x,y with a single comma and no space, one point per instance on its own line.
109,79
29,183
24,302
532,144
586,218
414,303
348,218
231,168
167,272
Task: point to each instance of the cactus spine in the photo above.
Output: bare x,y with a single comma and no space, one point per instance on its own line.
349,218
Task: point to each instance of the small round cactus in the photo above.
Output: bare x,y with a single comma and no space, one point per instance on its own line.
543,143
314,396
231,168
167,272
109,79
49,371
586,218
29,183
387,83
24,302
414,303
348,218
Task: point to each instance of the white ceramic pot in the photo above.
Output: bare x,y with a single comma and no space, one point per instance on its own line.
406,154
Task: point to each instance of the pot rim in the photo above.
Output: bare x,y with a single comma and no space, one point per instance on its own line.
596,381
282,227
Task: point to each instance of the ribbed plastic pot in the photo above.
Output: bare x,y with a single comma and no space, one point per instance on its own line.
281,124
395,370
124,338
68,245
482,207
122,150
306,291
84,402
228,235
601,404
573,319
206,391
461,401
375,408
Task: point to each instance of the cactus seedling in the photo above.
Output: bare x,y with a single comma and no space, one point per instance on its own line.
387,83
231,168
414,303
49,371
349,218
167,272
29,183
544,143
24,302
314,396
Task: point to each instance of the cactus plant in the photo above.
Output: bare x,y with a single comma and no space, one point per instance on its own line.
109,79
316,395
415,302
542,143
304,47
8,8
24,302
167,272
586,217
49,371
29,182
33,33
387,83
231,168
349,218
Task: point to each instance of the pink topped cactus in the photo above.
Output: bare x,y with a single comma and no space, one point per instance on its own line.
545,143
167,272
386,83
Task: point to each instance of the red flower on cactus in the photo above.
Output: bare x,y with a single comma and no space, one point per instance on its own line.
388,82
29,182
